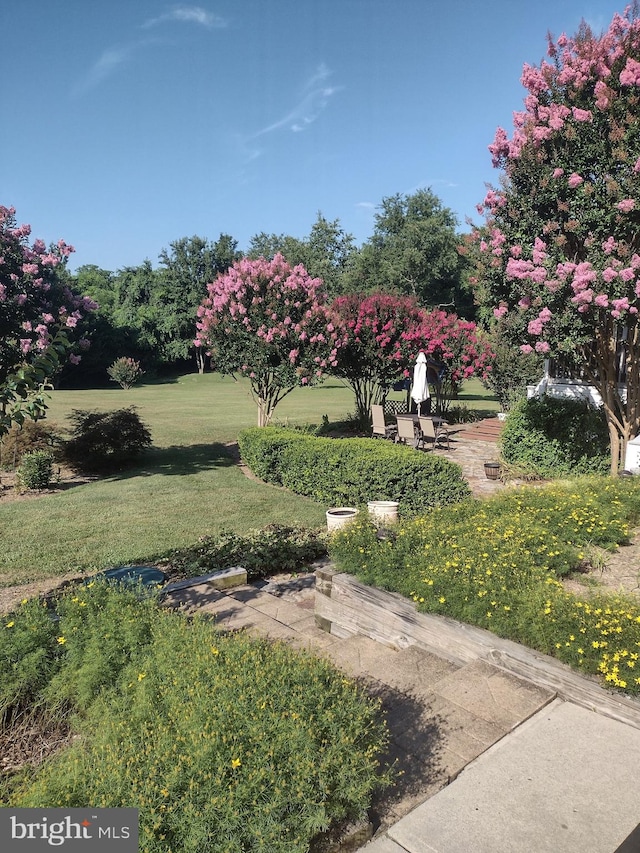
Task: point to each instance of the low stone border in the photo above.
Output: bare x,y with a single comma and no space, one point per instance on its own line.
345,607
223,579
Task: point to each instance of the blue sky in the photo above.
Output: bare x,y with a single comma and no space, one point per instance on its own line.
131,123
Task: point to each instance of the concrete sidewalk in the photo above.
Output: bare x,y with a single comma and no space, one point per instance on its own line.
565,781
489,762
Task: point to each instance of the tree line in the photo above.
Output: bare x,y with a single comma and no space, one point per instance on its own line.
148,313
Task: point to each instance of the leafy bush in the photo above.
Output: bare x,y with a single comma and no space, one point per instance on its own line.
462,414
554,437
103,441
35,470
511,370
351,471
264,552
212,736
125,371
496,564
30,436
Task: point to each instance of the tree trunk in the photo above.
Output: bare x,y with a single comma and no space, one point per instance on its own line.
616,345
616,442
262,412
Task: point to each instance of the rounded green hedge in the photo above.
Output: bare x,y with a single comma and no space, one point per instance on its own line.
351,471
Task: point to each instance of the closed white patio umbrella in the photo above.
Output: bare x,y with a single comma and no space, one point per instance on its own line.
420,387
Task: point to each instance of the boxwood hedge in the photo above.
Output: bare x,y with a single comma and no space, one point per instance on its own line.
351,471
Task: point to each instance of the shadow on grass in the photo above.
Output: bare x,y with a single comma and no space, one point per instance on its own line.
178,460
462,397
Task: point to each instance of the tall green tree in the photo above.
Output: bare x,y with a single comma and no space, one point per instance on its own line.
414,251
330,252
136,307
559,256
187,267
326,253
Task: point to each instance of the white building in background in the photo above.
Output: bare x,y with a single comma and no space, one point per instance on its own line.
567,387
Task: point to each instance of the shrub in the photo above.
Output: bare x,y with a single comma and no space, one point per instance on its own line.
351,471
30,436
125,371
275,548
496,564
212,736
511,370
462,414
103,441
553,437
35,470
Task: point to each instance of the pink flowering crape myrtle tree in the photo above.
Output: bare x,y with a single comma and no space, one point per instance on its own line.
268,322
559,255
456,344
371,358
382,336
38,316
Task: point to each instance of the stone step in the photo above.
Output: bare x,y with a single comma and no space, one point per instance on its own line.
488,429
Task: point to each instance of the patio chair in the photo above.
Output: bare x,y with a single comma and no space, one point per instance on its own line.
434,431
380,428
407,432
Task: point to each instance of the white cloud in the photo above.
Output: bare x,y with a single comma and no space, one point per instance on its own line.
188,15
314,99
114,57
427,185
107,63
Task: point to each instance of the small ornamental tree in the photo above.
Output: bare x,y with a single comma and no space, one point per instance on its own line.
371,358
125,371
268,322
38,314
456,344
560,251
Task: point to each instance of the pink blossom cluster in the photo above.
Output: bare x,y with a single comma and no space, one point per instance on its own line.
454,342
604,63
614,286
383,335
273,310
373,326
33,306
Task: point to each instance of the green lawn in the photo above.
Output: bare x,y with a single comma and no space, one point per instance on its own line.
186,486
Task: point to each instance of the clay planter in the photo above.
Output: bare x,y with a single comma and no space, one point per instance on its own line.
383,512
338,516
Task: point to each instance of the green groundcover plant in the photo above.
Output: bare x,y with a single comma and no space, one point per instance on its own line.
497,564
272,549
222,741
